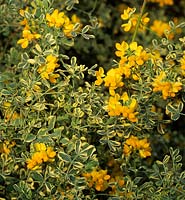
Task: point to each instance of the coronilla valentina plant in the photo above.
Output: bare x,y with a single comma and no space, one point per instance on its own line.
92,100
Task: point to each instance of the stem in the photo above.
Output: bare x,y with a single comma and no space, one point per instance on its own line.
139,20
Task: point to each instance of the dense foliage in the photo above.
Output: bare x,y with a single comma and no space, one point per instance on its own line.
92,99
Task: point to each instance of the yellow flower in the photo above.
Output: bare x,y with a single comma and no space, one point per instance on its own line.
133,144
168,89
125,69
154,56
129,107
133,19
144,148
50,152
132,56
22,12
127,13
160,27
99,75
5,146
36,87
97,179
113,80
41,154
121,49
27,37
60,20
125,97
163,2
56,19
40,147
114,107
31,164
127,150
9,115
24,22
52,78
68,27
47,71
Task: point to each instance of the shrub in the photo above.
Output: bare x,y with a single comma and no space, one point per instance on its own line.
92,100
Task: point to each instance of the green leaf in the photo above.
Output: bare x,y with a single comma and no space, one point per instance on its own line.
113,144
42,132
68,42
155,42
24,57
39,106
88,36
178,158
57,133
89,150
85,29
166,159
175,116
5,92
64,141
30,137
38,48
45,139
170,108
78,146
180,106
78,165
50,39
65,157
182,175
174,153
76,27
51,122
73,61
159,162
41,59
160,129
23,65
37,176
46,83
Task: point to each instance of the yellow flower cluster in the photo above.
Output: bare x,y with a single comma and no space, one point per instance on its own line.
128,14
168,88
163,2
27,34
97,179
163,29
113,79
126,108
159,27
134,144
5,146
60,20
131,57
46,71
42,154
